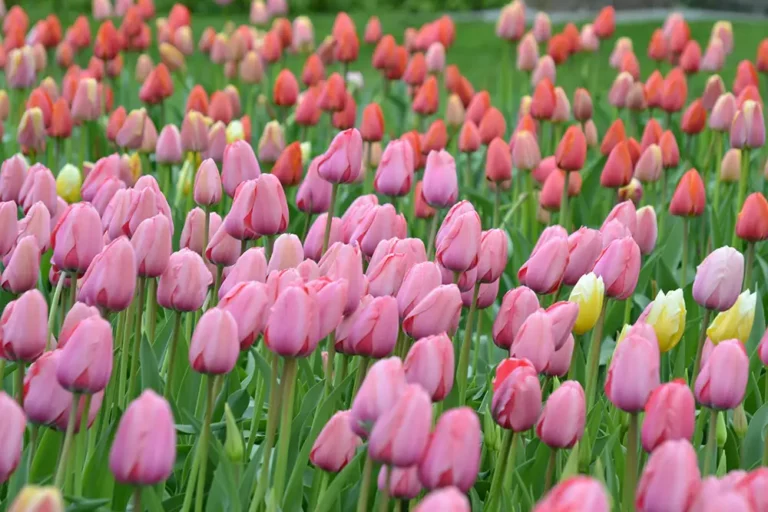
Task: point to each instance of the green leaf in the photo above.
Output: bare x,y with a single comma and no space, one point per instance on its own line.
150,500
150,374
754,440
47,455
342,479
572,465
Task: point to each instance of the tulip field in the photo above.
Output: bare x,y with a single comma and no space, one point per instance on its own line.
253,263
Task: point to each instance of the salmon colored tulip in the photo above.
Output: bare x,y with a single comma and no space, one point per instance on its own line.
618,169
689,198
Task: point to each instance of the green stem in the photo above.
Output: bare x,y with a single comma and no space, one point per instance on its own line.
365,485
258,408
432,234
551,462
216,286
765,446
630,467
206,227
684,261
288,386
64,455
362,369
172,354
463,366
498,473
329,367
81,446
384,501
307,223
710,454
564,212
269,442
506,482
72,289
749,266
137,500
700,346
329,217
369,171
123,370
20,367
132,375
151,310
54,307
269,243
496,205
594,357
531,205
203,446
743,185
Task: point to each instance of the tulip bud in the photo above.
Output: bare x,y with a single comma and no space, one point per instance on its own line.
293,339
423,320
516,395
453,452
395,172
86,360
342,162
752,221
33,498
544,270
561,424
378,393
336,444
619,266
184,284
14,424
214,346
718,279
110,280
618,169
400,435
633,373
735,322
657,490
251,266
420,367
667,317
748,127
722,382
588,293
576,493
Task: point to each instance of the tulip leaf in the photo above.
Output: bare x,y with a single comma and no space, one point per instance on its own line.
346,476
150,376
46,455
572,464
84,505
150,500
755,439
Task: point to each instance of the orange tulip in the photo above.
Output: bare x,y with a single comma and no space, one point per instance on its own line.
634,150
220,108
345,119
107,44
543,102
197,100
654,87
572,35
492,125
397,67
679,33
282,27
333,95
572,150
752,222
690,60
689,198
426,101
613,136
158,86
372,127
436,137
414,140
657,47
416,70
746,75
605,22
286,89
39,98
347,47
498,163
61,120
618,169
762,56
384,52
479,105
552,191
288,167
675,91
115,122
342,23
559,48
314,70
651,134
373,30
630,64
469,137
670,153
694,118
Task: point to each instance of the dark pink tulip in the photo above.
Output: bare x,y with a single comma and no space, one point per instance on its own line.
12,175
419,281
110,280
77,239
560,360
250,266
381,222
371,331
23,267
453,453
447,499
37,223
619,266
718,279
331,299
437,312
294,323
46,402
39,185
343,160
23,327
223,249
430,363
342,261
576,494
248,304
86,360
76,314
722,382
378,393
152,244
516,306
215,343
394,175
404,483
207,191
239,220
544,270
314,194
633,374
313,243
440,186
562,317
670,479
584,247
184,284
492,255
239,165
14,425
670,414
399,436
336,444
561,423
516,395
534,340
355,214
144,449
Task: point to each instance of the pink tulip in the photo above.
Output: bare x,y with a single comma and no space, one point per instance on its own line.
184,284
544,270
168,149
435,58
355,214
336,444
386,275
534,340
105,193
36,223
412,249
152,244
370,331
561,423
584,247
23,268
516,395
511,23
516,306
560,360
430,363
12,177
669,415
76,239
23,327
46,402
492,255
576,494
207,190
670,479
447,499
194,227
12,434
748,127
440,185
399,436
452,456
331,300
394,175
457,247
343,261
722,382
619,266
437,312
39,185
299,336
250,266
723,112
223,249
527,53
110,280
456,211
313,244
8,226
562,317
248,304
718,279
378,394
314,194
86,360
215,344
417,283
646,232
76,314
144,449
633,374
343,160
403,483
194,133
239,166
381,222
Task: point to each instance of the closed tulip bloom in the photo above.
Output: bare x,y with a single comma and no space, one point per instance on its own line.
378,393
272,142
12,177
752,221
578,494
23,267
670,153
430,363
545,69
617,96
449,499
588,293
562,420
403,482
516,306
647,229
492,125
562,317
425,102
372,129
46,402
239,165
39,186
526,154
215,344
534,340
399,436
342,162
395,172
248,304
674,91
20,68
131,132
690,59
380,223
290,338
110,280
544,270
633,373
144,449
207,191
37,223
689,198
748,127
584,247
469,137
730,167
86,361
619,266
168,149
718,279
251,266
736,322
457,248
23,327
572,150
516,395
222,248
615,135
477,108
76,239
527,53
723,113
194,132
313,243
8,225
417,283
648,168
336,444
152,244
184,284
667,317
669,415
618,169
544,99
712,92
453,453
342,261
440,182
86,105
61,120
12,430
492,255
437,312
694,118
670,479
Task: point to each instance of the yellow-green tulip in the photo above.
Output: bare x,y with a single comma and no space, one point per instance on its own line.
667,316
735,323
589,294
68,183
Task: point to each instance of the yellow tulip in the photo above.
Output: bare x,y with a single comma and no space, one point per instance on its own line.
588,294
235,131
33,497
68,183
735,323
184,183
306,152
667,316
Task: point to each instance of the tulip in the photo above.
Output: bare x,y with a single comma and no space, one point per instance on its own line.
293,339
20,68
37,223
23,267
184,284
395,172
633,374
251,266
646,232
526,154
492,255
422,321
670,479
615,135
23,328
378,393
562,316
8,226
12,177
584,247
748,126
588,293
618,169
752,222
403,482
516,395
76,239
544,270
239,165
342,162
516,306
380,223
343,261
561,423
457,248
669,415
110,280
371,331
336,444
735,322
85,364
723,113
207,191
425,102
718,279
619,267
579,493
14,424
430,363
694,118
215,344
667,316
511,23
527,53
452,456
572,150
399,436
31,131
448,499
544,99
